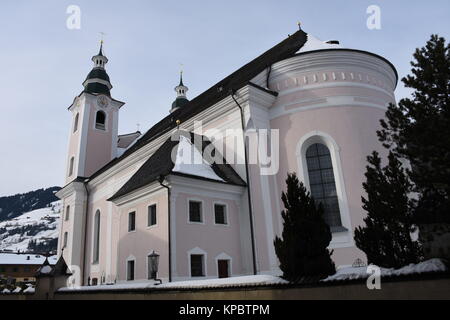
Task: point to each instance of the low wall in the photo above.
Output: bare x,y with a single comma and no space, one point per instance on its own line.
432,288
424,289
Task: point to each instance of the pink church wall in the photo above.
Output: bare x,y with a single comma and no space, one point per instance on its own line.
98,157
354,131
145,239
214,239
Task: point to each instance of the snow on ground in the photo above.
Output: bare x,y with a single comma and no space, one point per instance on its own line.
22,259
190,161
46,216
351,273
258,280
315,44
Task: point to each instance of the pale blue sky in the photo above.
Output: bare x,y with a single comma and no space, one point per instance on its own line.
42,63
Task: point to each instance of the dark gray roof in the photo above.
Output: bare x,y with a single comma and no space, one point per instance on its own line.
238,79
161,164
179,102
97,88
98,73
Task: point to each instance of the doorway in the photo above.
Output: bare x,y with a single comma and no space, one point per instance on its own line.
224,268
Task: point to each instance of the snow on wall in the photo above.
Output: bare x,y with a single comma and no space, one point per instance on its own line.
433,265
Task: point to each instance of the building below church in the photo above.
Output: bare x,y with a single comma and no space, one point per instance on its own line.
201,197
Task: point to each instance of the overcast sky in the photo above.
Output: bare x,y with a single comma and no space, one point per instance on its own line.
43,63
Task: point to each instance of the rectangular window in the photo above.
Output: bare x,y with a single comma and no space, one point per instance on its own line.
195,211
220,214
151,215
131,221
130,270
65,240
197,268
67,213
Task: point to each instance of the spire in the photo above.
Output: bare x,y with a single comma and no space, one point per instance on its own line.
100,60
181,98
181,79
100,53
97,81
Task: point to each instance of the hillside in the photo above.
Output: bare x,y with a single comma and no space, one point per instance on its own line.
34,231
29,221
16,205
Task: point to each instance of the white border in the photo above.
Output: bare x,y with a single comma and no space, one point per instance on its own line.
198,251
340,239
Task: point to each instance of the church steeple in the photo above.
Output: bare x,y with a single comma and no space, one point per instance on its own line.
97,81
181,91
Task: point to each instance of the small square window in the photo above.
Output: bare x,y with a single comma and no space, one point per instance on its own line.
151,215
131,221
197,261
220,214
195,211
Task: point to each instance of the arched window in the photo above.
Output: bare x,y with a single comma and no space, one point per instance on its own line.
66,235
100,120
71,164
322,183
67,213
96,251
75,123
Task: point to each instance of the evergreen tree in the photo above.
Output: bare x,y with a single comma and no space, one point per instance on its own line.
386,238
418,130
302,251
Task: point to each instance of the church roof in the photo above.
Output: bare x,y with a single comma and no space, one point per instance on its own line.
162,164
125,140
179,102
97,88
238,79
287,48
98,73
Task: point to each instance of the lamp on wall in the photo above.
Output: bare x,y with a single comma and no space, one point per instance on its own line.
153,262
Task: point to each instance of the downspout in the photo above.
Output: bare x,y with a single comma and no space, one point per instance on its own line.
83,269
252,232
161,180
269,71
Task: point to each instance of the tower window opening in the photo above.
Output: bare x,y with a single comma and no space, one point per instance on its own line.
100,120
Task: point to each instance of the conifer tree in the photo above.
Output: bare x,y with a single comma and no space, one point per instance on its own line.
386,237
418,130
302,250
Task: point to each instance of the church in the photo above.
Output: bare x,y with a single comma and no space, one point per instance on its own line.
196,190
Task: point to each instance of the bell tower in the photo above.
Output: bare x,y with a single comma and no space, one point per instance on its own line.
95,117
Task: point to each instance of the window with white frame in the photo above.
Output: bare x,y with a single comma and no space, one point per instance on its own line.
197,265
130,270
100,120
195,211
220,214
66,236
75,122
151,219
71,164
67,215
132,221
96,251
322,182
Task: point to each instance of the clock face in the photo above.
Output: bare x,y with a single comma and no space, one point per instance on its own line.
102,101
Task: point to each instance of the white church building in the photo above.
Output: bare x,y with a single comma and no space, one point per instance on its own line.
127,196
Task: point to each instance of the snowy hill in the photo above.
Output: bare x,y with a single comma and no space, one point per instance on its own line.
15,205
34,231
